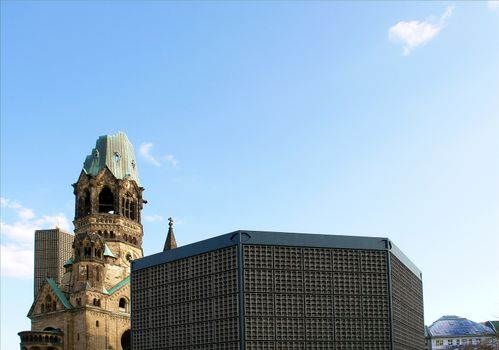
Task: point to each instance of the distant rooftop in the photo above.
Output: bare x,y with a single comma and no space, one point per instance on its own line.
115,152
457,326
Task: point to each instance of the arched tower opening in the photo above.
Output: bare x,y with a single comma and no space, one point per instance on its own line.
123,305
125,340
106,201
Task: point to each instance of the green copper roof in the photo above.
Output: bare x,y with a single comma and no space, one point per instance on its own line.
59,293
119,285
115,152
69,262
108,252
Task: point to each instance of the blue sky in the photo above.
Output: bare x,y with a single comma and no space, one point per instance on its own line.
362,118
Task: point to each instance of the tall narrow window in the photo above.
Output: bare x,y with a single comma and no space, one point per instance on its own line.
129,207
86,205
83,203
48,303
132,209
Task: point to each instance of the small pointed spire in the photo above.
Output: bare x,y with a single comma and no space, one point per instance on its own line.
170,242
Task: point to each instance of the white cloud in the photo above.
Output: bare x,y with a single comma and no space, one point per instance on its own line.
18,237
16,261
7,203
415,33
23,213
145,151
20,232
172,160
26,214
493,4
153,218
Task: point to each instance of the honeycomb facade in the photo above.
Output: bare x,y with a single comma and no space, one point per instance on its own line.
407,302
188,301
317,298
279,291
269,290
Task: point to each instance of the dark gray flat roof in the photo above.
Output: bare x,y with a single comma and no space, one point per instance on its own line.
244,237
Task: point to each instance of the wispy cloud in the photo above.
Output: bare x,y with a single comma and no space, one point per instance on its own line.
17,261
24,213
493,4
172,160
416,33
145,151
18,236
153,218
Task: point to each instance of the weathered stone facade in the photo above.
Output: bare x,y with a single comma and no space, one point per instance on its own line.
90,308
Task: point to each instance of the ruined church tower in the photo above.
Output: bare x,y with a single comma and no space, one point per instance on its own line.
90,308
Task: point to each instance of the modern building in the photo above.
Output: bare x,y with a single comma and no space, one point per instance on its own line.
53,248
454,332
281,291
88,309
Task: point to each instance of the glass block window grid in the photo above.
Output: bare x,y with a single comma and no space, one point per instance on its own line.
315,298
187,304
294,298
407,304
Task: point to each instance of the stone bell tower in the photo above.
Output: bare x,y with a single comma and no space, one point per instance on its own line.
89,309
108,208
